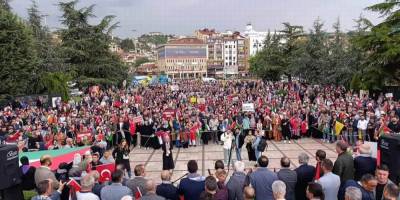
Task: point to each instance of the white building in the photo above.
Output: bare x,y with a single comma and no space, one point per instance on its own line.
255,38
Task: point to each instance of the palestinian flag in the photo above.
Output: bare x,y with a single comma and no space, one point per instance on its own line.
59,156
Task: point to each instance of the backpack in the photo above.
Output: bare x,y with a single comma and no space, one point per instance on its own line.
262,145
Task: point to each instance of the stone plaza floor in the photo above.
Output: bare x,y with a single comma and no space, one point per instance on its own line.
206,155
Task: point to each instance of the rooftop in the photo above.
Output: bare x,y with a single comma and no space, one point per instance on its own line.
186,41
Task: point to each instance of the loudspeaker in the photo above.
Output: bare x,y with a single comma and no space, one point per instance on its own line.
389,146
9,166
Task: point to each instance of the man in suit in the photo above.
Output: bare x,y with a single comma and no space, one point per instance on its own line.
116,190
166,189
151,191
344,164
305,174
44,172
262,179
289,177
138,184
236,183
364,163
330,182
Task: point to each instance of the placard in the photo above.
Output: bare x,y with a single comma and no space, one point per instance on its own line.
201,100
389,95
168,113
174,87
248,107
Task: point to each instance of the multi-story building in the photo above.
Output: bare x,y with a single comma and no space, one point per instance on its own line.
256,39
234,53
183,58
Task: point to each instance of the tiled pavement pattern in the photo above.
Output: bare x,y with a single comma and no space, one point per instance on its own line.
206,156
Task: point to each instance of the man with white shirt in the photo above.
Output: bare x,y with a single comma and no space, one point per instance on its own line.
362,126
330,182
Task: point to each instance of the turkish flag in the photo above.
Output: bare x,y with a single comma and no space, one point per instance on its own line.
74,185
105,172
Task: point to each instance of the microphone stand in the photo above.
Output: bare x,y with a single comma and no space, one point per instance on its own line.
173,182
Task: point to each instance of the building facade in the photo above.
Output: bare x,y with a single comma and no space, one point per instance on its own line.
234,54
183,58
255,39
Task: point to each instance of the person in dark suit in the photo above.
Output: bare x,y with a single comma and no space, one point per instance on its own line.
28,174
168,162
364,163
289,177
166,189
305,174
344,164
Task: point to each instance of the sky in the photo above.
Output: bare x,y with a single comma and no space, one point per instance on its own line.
183,17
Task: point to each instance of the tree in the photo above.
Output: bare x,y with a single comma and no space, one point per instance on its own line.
127,45
381,43
5,4
17,55
312,62
267,63
86,46
141,61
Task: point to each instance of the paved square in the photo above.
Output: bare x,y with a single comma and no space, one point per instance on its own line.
206,156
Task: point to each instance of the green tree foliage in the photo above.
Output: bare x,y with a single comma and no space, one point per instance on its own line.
127,45
382,44
267,63
17,55
5,4
86,46
56,83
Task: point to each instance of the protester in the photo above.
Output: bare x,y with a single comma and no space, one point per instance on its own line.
151,191
330,182
305,174
222,192
314,191
85,193
279,190
382,176
97,186
168,162
191,186
107,158
367,186
166,189
391,192
289,177
44,172
211,188
364,163
262,179
236,182
227,138
249,140
121,156
319,156
249,193
344,164
138,183
28,174
353,193
95,160
45,190
116,190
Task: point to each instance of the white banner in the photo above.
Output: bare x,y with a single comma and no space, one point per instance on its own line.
389,95
174,87
248,107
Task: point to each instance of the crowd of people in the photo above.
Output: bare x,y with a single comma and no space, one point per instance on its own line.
191,112
350,177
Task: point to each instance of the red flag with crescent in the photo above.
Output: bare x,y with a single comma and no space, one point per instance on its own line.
105,172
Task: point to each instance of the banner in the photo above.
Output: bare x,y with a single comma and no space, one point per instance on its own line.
168,113
338,127
83,136
248,107
138,119
389,95
105,171
175,87
201,100
59,155
193,100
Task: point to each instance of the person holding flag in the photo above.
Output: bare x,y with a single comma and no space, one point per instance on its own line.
121,156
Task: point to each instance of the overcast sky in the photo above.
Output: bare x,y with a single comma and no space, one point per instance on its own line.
182,17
